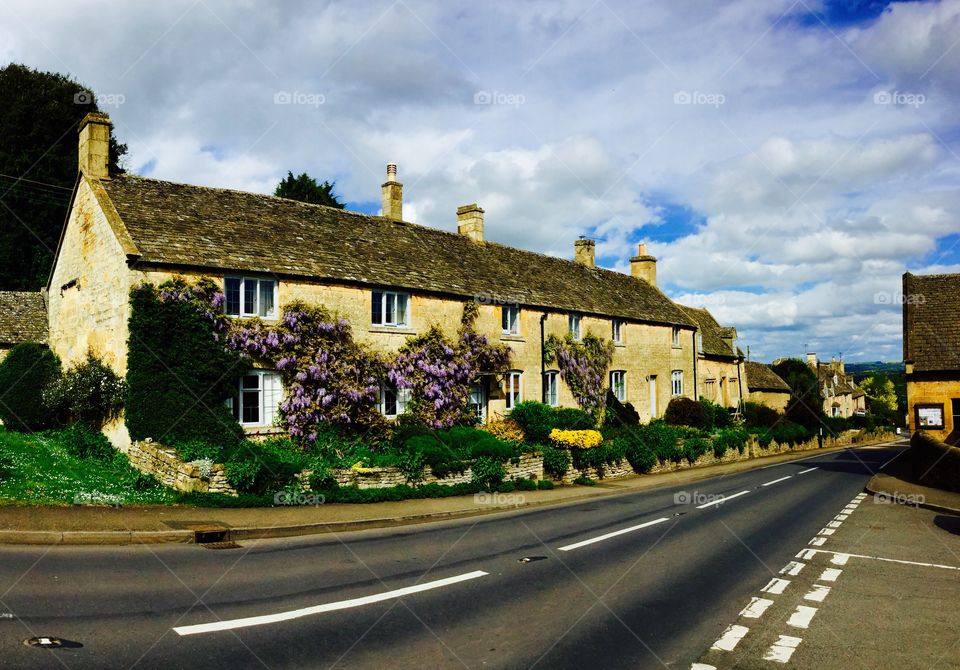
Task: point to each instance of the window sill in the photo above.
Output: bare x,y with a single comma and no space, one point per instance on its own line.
512,338
391,330
620,345
263,430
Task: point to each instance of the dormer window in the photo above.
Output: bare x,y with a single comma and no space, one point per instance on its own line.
248,296
510,319
573,322
675,337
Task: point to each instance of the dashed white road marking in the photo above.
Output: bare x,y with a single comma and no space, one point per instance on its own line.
829,575
803,472
777,481
622,531
776,586
782,649
842,517
792,568
817,593
731,638
756,608
834,524
806,554
817,541
723,499
841,559
702,666
802,616
327,607
827,531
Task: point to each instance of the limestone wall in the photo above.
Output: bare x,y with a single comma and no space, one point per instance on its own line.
164,464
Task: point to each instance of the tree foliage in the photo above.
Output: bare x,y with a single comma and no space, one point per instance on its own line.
583,366
305,188
806,401
27,371
38,167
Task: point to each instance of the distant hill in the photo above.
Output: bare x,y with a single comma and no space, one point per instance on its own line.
894,369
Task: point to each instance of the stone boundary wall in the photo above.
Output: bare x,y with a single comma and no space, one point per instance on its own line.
529,466
165,464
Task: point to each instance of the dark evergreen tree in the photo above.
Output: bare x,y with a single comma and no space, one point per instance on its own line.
306,189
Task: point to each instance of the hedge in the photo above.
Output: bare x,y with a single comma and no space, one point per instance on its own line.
27,371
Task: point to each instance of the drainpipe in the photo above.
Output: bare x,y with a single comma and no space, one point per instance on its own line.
543,357
696,391
740,383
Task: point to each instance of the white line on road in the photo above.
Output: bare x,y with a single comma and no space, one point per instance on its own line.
776,586
838,559
841,559
782,649
328,607
802,616
756,608
730,638
827,531
792,568
622,531
803,472
777,481
841,517
829,575
702,666
817,541
723,499
817,593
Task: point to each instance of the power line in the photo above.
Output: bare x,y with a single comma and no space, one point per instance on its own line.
32,181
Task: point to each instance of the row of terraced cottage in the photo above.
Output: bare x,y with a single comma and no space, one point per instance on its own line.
390,278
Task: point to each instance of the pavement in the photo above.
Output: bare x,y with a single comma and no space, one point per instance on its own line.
897,483
180,524
634,578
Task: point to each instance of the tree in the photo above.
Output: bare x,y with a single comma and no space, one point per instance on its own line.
306,189
806,402
881,392
38,167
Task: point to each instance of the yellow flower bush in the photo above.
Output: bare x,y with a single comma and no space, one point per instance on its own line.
576,439
360,468
506,430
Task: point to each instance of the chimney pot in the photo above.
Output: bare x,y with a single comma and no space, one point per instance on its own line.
470,221
584,252
392,195
94,146
812,359
642,249
644,266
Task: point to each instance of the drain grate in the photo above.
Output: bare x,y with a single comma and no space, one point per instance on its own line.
229,544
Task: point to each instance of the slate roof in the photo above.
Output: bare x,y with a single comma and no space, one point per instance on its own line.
713,332
760,377
931,322
844,385
23,317
184,225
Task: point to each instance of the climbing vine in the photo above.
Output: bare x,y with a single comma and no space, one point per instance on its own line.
583,366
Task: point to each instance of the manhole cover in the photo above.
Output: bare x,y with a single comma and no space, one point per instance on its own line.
531,559
220,545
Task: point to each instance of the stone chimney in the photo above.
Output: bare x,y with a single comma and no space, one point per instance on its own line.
392,195
644,266
95,145
812,360
470,222
584,252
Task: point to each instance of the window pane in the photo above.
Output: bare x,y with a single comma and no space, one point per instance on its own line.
249,296
505,319
402,309
266,298
390,401
403,397
251,406
251,381
272,396
232,290
376,309
390,308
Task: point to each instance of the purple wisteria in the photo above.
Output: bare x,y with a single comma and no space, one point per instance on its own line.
583,366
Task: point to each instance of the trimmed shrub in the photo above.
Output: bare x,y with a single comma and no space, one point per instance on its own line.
506,430
487,473
178,375
576,439
27,371
91,393
526,484
536,419
434,452
556,462
729,438
620,414
88,444
263,468
573,418
686,412
661,440
756,415
545,485
717,416
695,447
584,480
638,454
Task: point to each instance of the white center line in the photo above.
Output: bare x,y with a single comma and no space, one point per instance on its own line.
327,607
802,616
782,649
622,531
730,638
776,481
723,499
756,607
803,472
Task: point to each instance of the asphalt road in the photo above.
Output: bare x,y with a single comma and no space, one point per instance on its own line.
667,571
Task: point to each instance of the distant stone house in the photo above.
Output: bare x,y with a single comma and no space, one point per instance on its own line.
391,279
765,386
23,318
841,395
719,361
931,354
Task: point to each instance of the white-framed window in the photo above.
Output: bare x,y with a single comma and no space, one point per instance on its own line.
616,327
710,389
675,337
513,386
510,319
390,309
618,384
699,342
258,398
676,382
551,387
573,323
393,401
249,296
477,401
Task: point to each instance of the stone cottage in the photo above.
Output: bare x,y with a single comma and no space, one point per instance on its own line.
931,353
390,278
841,395
719,360
765,386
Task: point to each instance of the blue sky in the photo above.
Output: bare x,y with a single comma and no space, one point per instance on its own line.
785,160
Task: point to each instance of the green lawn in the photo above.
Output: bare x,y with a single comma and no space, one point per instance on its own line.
37,469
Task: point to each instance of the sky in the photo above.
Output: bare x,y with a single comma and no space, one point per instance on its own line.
786,161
